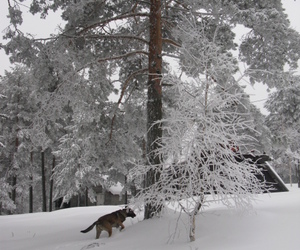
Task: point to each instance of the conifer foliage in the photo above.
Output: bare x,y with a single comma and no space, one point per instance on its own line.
106,98
283,121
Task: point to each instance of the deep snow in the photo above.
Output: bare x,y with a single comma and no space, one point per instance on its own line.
273,224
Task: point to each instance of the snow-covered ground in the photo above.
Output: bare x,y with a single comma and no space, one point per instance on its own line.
274,224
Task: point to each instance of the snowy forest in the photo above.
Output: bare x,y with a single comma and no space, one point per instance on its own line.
142,93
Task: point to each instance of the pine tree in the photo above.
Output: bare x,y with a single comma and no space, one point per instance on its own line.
125,42
283,121
18,108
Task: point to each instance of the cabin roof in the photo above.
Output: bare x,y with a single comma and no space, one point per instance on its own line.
272,179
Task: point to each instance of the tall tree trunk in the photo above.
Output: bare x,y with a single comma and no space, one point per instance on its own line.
298,174
51,185
126,192
154,103
31,188
31,196
14,192
44,209
291,173
79,200
14,177
86,200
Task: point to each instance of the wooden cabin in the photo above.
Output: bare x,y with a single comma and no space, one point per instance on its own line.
104,196
272,179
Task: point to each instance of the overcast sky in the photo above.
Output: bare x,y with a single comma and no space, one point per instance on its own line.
42,28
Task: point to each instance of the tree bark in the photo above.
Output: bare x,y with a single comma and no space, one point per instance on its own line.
192,227
291,173
44,208
298,174
51,185
86,198
14,189
154,103
193,220
126,192
14,177
31,188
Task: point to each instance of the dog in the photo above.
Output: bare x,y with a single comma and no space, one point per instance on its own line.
108,221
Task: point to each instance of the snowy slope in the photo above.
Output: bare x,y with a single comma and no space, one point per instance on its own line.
273,225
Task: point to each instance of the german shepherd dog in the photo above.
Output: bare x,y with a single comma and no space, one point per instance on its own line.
114,219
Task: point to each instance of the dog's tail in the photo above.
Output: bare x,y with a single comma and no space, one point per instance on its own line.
89,228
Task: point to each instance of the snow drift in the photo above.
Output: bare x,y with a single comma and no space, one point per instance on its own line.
271,225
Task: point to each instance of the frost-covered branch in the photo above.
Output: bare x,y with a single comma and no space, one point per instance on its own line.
109,20
170,41
123,56
111,36
124,87
4,116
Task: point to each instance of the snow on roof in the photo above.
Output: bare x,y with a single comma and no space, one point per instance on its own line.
278,178
116,189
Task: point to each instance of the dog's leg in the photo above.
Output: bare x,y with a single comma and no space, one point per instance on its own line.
98,231
109,230
121,225
107,227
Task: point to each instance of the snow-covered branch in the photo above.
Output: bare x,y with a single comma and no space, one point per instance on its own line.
124,87
132,53
102,23
112,37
